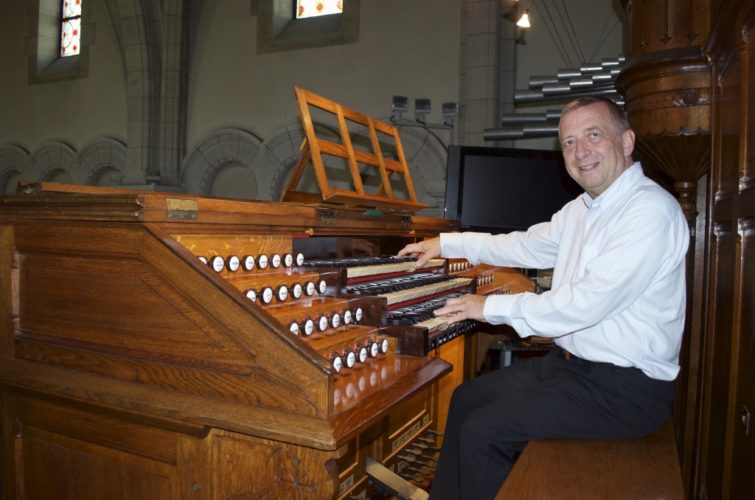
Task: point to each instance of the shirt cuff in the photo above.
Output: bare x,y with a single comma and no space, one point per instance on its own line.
497,309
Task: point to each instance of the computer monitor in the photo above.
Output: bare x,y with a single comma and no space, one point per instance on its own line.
503,190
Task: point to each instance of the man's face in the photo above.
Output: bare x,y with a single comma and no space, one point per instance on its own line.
595,151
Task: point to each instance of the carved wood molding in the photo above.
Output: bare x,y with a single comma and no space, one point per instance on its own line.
661,25
668,102
684,158
668,92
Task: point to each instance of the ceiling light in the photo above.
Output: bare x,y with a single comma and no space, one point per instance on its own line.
524,21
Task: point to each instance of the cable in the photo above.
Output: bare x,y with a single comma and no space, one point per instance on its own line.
573,32
604,35
558,43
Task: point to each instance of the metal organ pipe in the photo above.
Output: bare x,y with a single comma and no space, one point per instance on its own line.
590,79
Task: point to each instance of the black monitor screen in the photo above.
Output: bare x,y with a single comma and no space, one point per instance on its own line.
502,190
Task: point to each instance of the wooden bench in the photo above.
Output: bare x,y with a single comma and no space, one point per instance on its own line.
641,468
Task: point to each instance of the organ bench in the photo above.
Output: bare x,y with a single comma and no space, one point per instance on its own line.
629,469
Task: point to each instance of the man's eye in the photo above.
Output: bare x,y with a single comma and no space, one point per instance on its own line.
594,135
567,144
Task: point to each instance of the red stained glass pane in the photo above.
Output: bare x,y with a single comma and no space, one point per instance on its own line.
70,37
313,8
70,28
71,8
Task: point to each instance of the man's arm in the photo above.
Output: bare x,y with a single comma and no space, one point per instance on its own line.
634,257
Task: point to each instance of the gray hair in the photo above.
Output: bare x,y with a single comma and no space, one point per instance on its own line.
618,117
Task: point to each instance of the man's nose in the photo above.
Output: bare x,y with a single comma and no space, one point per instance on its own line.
581,150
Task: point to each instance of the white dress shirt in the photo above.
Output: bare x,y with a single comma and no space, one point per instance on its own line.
618,290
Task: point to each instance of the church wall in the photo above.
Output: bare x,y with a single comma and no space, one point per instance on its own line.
74,111
404,48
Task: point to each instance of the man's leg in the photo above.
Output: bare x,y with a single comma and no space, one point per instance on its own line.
497,385
571,399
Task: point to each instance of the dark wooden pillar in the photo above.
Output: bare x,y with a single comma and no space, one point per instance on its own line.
667,87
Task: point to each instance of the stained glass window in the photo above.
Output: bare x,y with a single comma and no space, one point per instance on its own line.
70,28
313,8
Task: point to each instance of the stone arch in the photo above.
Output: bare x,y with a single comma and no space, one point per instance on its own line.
427,157
277,159
223,151
101,163
234,180
15,162
55,161
57,174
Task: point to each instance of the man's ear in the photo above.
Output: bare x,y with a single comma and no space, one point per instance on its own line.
627,140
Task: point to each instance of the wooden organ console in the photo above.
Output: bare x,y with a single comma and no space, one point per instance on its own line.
173,346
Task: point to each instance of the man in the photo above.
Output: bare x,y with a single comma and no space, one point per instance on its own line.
615,310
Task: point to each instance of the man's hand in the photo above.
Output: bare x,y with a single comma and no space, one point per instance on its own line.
464,307
424,251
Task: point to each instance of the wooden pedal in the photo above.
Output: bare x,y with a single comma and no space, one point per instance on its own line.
389,480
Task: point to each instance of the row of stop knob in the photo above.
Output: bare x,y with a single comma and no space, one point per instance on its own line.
360,352
307,326
249,262
485,279
281,293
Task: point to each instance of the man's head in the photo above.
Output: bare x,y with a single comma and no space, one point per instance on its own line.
596,141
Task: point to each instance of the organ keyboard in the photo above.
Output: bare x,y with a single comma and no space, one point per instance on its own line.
181,346
370,268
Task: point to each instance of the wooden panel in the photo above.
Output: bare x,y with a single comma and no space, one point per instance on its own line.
59,467
718,352
360,402
453,352
725,452
215,215
93,288
8,291
101,428
207,245
245,467
729,132
8,472
743,411
67,304
748,104
658,26
739,483
407,422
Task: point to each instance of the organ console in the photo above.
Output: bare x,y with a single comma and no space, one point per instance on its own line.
165,346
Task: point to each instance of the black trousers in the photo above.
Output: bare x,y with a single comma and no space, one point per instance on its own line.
492,417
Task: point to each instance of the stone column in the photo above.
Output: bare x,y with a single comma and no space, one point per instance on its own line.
482,69
153,44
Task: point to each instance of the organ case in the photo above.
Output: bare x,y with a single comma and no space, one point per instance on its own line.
132,369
